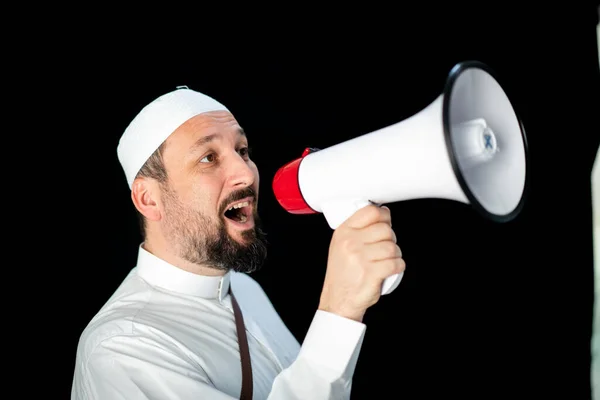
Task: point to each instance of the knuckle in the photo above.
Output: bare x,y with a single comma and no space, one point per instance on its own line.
391,248
385,231
398,250
400,265
348,245
385,227
391,267
390,234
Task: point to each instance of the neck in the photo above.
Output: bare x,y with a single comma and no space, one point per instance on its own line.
161,249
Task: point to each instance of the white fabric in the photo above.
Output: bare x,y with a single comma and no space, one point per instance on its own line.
155,122
170,334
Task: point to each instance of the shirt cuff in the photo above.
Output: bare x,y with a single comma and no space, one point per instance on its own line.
333,342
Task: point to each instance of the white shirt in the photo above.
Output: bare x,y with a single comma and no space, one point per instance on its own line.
170,334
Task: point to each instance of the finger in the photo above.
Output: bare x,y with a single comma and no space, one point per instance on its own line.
382,251
369,215
377,232
385,268
389,217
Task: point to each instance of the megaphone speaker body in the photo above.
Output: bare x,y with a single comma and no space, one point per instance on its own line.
468,145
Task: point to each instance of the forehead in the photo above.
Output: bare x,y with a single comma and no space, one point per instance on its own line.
216,125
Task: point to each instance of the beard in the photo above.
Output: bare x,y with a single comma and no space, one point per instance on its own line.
204,240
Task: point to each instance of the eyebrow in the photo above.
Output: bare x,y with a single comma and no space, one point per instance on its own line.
209,138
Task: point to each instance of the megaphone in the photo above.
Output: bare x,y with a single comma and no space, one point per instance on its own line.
468,145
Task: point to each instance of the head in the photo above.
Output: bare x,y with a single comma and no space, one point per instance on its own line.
193,183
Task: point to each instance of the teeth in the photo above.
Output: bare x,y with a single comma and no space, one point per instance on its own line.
238,205
243,218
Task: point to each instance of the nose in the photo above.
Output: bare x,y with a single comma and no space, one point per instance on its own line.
241,173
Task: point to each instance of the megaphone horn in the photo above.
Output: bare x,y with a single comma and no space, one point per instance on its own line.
468,145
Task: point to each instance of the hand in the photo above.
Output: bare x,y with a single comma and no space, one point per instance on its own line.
363,252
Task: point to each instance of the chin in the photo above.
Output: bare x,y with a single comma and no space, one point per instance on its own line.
242,237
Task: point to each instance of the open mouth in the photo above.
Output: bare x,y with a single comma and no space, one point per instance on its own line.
239,212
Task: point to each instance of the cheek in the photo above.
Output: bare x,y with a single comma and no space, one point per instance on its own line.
205,196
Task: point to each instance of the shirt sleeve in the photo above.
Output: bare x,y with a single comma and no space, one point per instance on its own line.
326,362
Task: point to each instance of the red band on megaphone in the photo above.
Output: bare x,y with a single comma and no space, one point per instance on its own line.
287,190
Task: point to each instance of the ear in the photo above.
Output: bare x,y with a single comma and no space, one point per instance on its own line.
145,195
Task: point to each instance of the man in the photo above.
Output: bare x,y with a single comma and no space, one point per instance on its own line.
169,331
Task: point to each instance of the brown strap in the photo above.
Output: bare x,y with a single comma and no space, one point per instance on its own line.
244,352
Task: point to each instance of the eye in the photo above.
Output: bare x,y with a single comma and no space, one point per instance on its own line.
209,158
244,151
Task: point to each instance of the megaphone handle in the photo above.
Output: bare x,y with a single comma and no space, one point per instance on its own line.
391,283
336,212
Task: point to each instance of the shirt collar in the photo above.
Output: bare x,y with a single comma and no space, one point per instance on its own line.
158,272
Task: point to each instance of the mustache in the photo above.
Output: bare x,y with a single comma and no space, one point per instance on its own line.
237,195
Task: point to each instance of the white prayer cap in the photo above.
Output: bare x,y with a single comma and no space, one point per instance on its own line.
155,122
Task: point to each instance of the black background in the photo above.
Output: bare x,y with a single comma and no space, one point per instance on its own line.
485,310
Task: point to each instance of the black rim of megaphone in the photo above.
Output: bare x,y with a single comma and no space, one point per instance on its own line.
452,77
